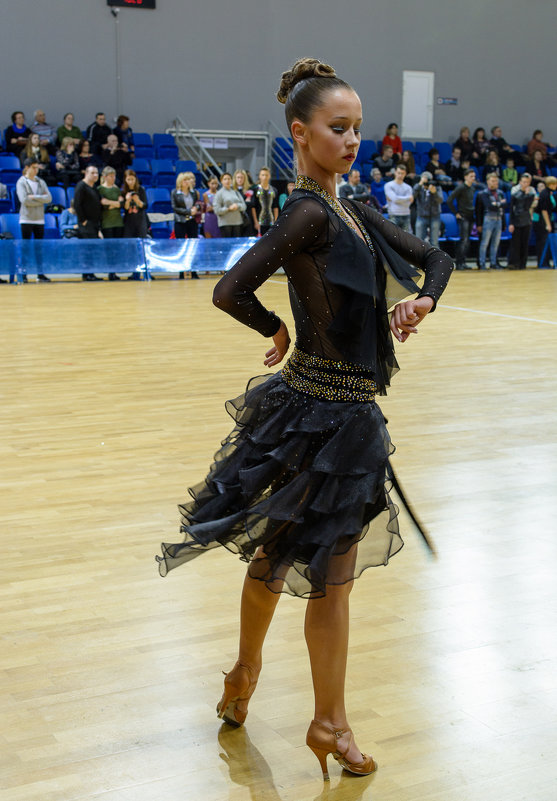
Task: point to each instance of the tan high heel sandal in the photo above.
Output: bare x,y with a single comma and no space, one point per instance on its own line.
324,740
239,685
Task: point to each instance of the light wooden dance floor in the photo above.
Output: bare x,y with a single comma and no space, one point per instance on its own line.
112,404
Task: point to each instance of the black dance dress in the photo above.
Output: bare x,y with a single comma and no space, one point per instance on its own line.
305,472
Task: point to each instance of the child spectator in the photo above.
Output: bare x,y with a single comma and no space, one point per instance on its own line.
68,222
510,174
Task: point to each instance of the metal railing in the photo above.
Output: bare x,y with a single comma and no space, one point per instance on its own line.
282,158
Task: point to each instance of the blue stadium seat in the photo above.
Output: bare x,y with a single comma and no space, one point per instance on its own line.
165,147
6,205
408,145
158,200
142,139
423,147
51,230
10,162
144,151
366,151
450,222
164,173
186,166
445,151
160,230
9,224
142,168
58,195
70,191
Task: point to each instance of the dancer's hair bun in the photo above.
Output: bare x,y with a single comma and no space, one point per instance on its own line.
302,69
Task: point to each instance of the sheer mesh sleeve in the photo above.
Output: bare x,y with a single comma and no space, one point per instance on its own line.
435,263
299,226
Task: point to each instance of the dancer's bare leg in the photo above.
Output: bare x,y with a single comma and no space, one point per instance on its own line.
326,631
257,608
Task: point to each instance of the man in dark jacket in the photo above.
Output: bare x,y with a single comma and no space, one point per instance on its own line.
87,204
97,133
523,197
353,189
461,203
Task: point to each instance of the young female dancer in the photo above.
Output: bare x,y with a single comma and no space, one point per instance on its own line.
300,487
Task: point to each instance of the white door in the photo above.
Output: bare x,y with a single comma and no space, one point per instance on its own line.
417,104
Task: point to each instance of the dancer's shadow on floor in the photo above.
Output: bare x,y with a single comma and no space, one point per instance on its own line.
247,767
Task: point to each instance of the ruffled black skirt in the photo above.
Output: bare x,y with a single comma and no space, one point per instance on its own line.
299,489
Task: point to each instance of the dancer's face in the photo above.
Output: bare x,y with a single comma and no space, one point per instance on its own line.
332,137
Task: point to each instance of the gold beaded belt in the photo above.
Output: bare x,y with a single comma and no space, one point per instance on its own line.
328,380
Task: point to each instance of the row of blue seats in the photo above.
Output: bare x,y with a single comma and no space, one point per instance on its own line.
161,145
155,172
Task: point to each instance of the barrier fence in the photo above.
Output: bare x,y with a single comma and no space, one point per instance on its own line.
19,257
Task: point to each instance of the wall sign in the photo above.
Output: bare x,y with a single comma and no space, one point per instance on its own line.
447,101
132,3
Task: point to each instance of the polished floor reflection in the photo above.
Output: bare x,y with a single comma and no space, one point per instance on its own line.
112,399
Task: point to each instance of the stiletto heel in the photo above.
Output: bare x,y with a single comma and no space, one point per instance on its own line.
239,685
324,740
322,757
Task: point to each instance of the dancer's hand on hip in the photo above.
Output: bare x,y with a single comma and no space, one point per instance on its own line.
282,342
406,316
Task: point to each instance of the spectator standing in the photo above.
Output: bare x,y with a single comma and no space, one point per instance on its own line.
354,189
490,207
16,134
112,225
47,133
461,203
481,146
98,133
186,206
544,218
116,156
35,151
229,206
135,207
33,195
523,199
264,203
392,139
428,198
386,162
211,225
67,163
399,199
68,128
124,133
240,182
87,204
